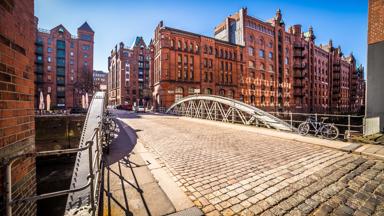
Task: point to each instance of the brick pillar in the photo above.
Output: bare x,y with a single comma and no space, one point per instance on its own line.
17,133
375,74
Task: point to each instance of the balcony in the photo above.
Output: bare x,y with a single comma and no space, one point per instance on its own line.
60,82
298,46
298,54
298,85
60,94
299,75
298,94
299,66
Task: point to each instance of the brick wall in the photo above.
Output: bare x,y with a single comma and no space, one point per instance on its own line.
17,35
376,21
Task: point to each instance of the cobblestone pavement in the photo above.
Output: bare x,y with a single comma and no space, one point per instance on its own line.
229,171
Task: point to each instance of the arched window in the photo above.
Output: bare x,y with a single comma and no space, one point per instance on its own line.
262,99
262,66
172,43
179,44
253,87
208,91
222,92
231,93
251,38
178,93
252,99
272,99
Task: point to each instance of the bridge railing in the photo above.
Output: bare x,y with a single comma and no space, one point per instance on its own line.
93,147
347,124
93,177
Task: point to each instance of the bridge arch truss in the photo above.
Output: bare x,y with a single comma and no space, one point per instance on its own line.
218,108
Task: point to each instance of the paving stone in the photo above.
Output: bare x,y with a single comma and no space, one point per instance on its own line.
230,169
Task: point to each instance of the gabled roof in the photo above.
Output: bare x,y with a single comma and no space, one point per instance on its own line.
86,27
137,42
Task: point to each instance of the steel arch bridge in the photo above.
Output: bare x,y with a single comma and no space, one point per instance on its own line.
218,108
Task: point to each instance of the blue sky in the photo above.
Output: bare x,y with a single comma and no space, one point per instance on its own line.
345,21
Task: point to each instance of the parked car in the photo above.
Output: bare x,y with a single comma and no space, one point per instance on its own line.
124,107
140,109
78,110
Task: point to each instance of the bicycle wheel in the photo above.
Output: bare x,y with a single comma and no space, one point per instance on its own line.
330,131
112,124
303,128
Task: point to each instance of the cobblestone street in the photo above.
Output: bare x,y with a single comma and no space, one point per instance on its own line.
227,171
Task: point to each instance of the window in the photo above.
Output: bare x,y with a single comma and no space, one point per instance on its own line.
86,47
71,62
270,45
49,41
49,78
85,55
49,89
251,64
271,68
49,49
39,58
208,91
231,93
270,55
49,67
250,51
286,60
85,37
172,43
222,92
85,63
262,66
178,93
261,53
71,53
252,99
253,87
72,44
178,44
49,59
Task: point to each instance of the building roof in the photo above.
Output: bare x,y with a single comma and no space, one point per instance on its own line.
86,27
199,35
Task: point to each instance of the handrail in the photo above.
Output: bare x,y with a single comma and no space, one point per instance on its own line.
93,177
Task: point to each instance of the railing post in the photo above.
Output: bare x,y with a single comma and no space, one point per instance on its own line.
349,127
291,119
316,117
91,175
8,186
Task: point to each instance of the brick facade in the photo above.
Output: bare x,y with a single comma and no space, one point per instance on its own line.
128,77
287,71
186,63
100,80
375,21
17,132
64,65
280,69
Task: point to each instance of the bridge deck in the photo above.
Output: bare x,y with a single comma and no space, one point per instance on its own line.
233,170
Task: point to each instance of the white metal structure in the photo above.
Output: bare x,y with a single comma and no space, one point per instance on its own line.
218,108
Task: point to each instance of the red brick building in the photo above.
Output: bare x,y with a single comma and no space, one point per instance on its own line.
286,70
186,63
100,80
64,65
128,77
17,133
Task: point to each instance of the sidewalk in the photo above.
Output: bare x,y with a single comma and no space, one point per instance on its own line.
370,150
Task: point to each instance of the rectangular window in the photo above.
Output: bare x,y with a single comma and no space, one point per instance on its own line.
86,47
85,37
270,55
250,51
49,49
261,53
49,59
49,67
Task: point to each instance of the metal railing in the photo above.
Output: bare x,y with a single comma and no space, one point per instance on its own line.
347,124
93,176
